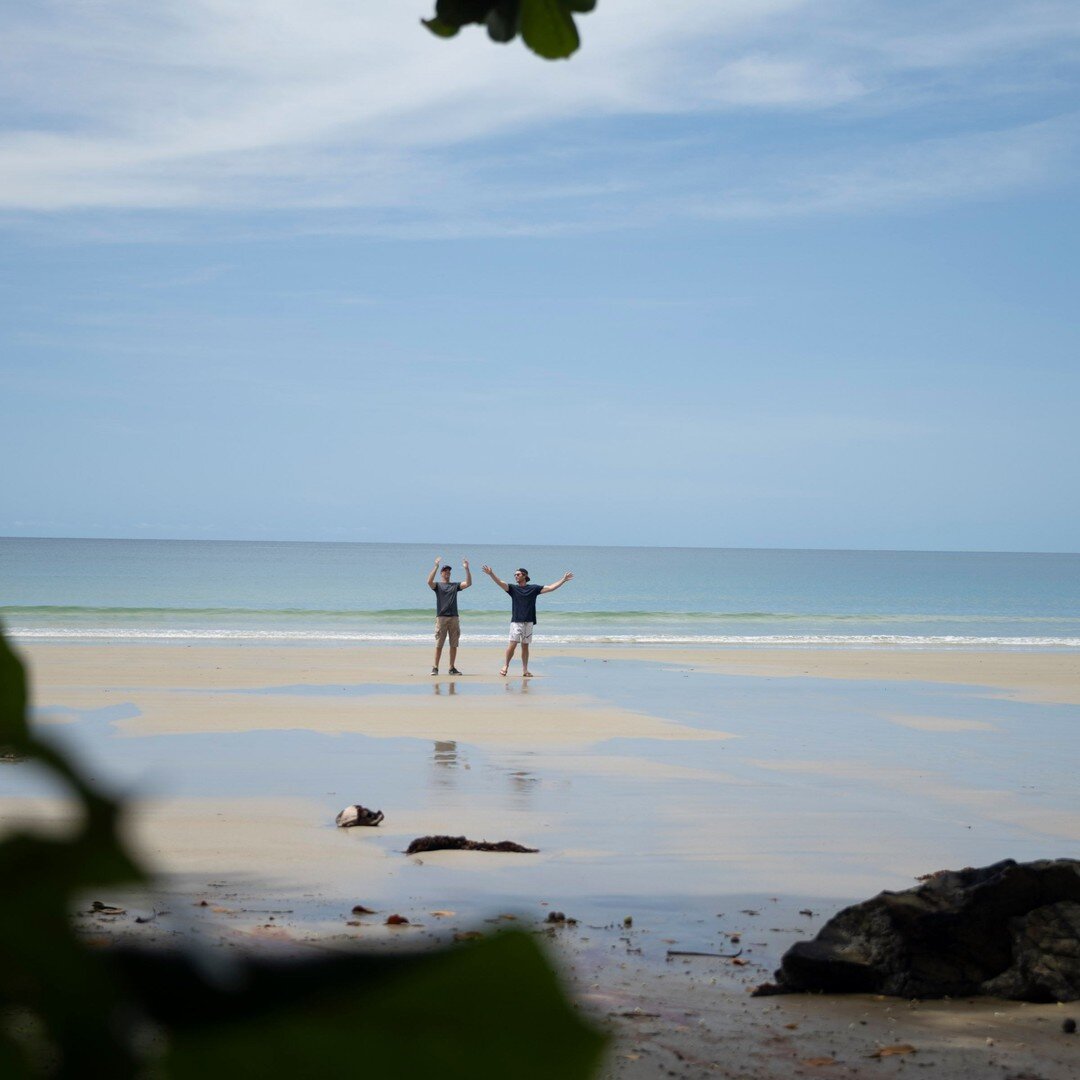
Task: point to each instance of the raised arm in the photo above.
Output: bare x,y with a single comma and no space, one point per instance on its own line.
434,571
558,584
495,577
468,575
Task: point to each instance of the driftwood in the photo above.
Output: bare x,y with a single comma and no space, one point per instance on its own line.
1009,930
714,955
459,843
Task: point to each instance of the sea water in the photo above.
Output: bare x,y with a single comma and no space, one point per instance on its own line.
219,591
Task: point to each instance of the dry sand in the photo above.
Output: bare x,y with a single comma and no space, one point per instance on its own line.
1037,676
685,1018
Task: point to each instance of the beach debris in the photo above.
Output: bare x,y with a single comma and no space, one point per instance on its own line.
359,909
460,843
99,908
1006,930
396,920
894,1050
715,955
444,914
1068,1025
558,918
357,815
628,921
151,917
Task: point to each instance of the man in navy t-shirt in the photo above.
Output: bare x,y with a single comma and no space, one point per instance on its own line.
522,612
447,623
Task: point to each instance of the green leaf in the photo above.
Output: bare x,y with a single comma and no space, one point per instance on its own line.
14,726
45,970
439,28
459,12
548,28
486,1011
504,20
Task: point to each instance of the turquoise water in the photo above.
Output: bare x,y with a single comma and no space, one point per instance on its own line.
158,590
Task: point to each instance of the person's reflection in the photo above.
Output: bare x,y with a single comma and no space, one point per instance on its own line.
522,786
451,689
519,686
445,759
445,754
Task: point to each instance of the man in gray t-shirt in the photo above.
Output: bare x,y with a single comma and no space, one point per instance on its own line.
447,624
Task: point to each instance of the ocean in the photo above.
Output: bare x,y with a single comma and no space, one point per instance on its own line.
267,591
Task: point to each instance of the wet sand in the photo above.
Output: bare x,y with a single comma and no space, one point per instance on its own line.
1031,676
686,789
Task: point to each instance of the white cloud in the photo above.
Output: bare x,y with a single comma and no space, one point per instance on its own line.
915,173
353,108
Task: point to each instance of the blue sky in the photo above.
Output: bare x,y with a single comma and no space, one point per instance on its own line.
784,274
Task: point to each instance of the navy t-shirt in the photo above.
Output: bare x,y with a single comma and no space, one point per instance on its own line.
523,597
446,597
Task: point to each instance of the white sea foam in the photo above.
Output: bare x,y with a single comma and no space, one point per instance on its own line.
330,636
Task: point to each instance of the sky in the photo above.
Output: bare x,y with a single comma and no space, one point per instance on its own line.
760,273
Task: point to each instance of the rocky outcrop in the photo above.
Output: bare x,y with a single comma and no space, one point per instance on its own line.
1010,930
1046,956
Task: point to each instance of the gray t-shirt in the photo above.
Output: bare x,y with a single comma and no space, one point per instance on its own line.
446,597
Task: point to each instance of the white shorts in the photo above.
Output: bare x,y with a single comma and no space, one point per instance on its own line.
521,631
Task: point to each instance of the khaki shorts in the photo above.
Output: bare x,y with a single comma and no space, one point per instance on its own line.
447,626
522,631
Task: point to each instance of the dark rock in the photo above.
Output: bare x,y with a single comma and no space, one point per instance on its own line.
1046,956
460,843
1010,930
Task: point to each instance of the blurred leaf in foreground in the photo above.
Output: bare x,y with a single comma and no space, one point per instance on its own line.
492,1009
546,26
61,1001
486,1011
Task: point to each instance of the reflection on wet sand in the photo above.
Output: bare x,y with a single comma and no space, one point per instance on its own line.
523,786
451,688
446,754
446,760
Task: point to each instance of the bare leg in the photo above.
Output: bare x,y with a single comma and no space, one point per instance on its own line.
509,656
525,659
453,656
438,654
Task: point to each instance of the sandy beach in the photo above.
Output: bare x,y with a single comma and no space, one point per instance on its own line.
700,792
